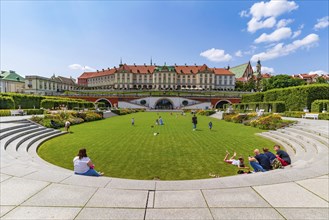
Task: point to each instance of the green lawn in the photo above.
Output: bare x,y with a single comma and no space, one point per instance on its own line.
122,150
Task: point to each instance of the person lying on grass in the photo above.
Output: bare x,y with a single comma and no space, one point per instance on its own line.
83,165
239,162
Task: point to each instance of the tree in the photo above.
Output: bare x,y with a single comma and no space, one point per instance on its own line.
281,81
320,80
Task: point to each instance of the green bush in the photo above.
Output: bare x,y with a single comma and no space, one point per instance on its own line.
256,97
206,112
5,113
319,105
34,111
7,102
299,97
26,101
324,116
296,114
276,107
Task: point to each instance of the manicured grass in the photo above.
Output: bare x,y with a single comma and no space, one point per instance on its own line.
122,150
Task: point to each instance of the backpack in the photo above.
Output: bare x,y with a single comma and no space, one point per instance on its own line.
276,164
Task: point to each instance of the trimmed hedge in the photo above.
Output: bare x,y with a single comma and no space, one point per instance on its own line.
7,102
26,101
299,97
296,114
6,112
319,105
256,97
69,103
275,107
295,98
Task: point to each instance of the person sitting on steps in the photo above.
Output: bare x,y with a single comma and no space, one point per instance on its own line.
282,156
83,165
259,162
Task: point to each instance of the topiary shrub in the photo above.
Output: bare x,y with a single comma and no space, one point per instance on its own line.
7,102
143,102
185,102
256,97
320,105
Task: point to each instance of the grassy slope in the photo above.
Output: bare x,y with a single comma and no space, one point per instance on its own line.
122,150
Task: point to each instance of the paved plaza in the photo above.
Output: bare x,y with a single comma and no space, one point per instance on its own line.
34,189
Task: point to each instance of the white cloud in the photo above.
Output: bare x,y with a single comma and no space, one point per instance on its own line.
264,14
296,34
80,67
284,22
254,24
319,72
244,13
280,49
273,8
216,55
238,53
277,35
322,23
265,69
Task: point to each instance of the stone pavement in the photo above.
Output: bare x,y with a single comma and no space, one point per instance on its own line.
34,189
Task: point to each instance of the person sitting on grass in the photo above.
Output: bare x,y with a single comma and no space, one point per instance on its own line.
83,165
259,162
282,156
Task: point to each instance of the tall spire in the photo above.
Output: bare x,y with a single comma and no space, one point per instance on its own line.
120,60
151,61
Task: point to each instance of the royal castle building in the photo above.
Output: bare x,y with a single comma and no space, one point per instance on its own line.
153,77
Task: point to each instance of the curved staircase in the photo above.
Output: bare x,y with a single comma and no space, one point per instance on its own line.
22,169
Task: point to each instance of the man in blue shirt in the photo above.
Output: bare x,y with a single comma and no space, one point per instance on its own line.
259,162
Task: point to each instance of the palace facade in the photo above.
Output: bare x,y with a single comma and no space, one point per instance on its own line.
152,77
48,86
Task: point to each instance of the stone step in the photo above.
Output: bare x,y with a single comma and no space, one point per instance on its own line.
319,146
23,148
29,137
11,126
10,145
309,150
321,139
300,151
16,130
319,133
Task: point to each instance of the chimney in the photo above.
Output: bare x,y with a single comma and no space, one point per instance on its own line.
108,68
144,64
103,70
134,64
97,71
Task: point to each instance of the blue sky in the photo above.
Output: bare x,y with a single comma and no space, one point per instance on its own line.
68,37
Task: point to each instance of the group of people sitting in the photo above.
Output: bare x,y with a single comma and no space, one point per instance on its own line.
260,162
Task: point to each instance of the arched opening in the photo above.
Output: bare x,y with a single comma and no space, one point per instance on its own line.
164,104
220,104
106,102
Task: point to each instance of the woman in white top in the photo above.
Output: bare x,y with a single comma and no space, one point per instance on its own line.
83,165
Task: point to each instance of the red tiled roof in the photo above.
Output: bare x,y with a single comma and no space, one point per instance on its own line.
222,71
189,69
140,69
266,75
87,75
